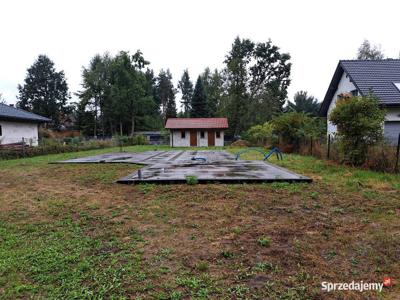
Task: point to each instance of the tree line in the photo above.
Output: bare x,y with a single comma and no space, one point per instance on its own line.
121,94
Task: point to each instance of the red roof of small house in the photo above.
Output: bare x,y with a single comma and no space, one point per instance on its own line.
196,123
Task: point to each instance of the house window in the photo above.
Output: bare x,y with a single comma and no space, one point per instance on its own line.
202,134
354,92
218,134
183,134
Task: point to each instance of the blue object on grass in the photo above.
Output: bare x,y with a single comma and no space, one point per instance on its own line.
199,158
278,152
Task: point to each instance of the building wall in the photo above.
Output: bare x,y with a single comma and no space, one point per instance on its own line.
220,142
177,141
13,132
344,86
392,114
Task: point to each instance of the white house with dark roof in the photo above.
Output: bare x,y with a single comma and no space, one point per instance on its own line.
360,77
17,125
196,132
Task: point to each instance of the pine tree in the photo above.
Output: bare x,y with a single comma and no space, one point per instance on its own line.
171,109
186,88
165,93
199,101
45,91
304,103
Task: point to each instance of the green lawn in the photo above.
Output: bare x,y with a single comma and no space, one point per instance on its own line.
70,232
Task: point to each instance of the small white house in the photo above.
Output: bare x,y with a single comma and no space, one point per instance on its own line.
17,125
360,77
196,132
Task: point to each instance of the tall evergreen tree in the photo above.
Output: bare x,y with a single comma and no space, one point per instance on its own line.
304,103
257,78
171,108
213,88
199,101
165,92
186,88
45,91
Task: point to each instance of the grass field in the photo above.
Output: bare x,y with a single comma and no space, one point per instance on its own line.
70,232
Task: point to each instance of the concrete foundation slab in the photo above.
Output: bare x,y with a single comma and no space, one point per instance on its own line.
206,165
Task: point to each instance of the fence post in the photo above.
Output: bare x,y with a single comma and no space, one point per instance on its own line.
329,146
396,168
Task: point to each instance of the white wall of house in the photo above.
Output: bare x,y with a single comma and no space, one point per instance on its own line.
13,132
344,86
219,142
202,142
392,114
176,139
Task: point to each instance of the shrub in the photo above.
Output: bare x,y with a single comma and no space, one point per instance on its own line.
292,127
191,180
130,140
260,135
359,123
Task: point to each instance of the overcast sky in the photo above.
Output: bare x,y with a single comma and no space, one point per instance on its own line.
191,34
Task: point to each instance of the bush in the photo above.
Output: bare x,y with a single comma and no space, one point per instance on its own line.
359,123
261,135
192,180
131,140
293,127
54,146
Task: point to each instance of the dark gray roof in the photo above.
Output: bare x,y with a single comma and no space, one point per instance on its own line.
377,76
11,113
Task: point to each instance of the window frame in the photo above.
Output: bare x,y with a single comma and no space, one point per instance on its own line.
218,134
202,135
183,134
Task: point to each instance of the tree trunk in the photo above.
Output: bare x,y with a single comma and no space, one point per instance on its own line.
120,128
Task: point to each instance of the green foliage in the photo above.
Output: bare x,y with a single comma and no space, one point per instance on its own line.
257,78
192,180
293,126
368,51
260,135
304,103
165,94
117,96
214,90
138,139
199,101
264,241
186,88
359,122
45,91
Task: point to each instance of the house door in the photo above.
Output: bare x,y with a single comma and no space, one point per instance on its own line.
211,138
193,138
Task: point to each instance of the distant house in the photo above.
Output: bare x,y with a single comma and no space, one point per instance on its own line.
17,125
196,132
360,77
